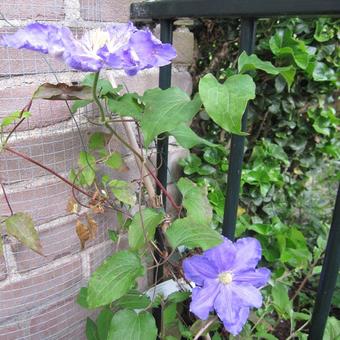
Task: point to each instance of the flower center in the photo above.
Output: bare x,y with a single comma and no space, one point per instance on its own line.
95,39
226,277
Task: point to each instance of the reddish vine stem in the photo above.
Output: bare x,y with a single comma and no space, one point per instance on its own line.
65,180
6,199
166,193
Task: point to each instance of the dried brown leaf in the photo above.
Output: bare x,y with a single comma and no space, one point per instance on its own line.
92,226
63,91
72,206
83,233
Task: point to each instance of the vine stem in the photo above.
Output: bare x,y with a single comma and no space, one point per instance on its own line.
29,159
205,327
6,199
27,107
127,145
307,277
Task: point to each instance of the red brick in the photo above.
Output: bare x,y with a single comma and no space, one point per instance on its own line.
59,320
33,9
106,10
98,254
45,201
14,331
59,241
58,151
43,112
36,290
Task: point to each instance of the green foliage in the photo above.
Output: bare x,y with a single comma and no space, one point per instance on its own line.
113,278
21,226
190,233
143,226
165,110
226,103
249,63
123,191
127,324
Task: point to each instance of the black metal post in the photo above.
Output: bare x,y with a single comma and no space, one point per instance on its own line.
328,277
162,140
247,43
162,160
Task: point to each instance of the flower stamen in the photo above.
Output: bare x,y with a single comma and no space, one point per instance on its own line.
225,277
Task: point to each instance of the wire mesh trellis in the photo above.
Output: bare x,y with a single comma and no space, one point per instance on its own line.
37,294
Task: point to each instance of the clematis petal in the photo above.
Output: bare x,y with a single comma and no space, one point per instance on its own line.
150,51
35,37
197,268
236,327
248,254
248,295
202,300
255,277
226,304
222,255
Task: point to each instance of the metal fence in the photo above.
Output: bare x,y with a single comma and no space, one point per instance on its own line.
248,11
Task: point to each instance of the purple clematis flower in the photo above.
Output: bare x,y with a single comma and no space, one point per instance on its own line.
117,47
226,281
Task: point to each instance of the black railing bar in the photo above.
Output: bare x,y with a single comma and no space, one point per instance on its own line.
167,9
166,33
328,277
247,43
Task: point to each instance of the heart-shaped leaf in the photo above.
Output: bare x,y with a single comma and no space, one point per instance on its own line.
226,103
165,110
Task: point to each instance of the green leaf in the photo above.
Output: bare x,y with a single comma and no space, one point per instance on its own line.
226,103
115,161
187,138
97,141
91,330
195,201
138,230
332,330
323,31
169,314
104,86
123,191
322,72
133,300
77,104
126,105
82,298
113,278
113,235
87,163
103,323
190,233
128,325
252,62
178,297
281,300
283,44
10,119
21,226
63,91
165,110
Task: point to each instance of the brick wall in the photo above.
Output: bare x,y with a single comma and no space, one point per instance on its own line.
37,294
